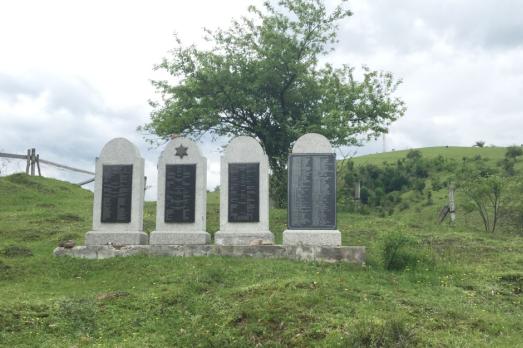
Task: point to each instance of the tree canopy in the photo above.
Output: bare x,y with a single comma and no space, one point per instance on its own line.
264,77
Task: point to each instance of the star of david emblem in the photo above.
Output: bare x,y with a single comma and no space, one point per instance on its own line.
181,151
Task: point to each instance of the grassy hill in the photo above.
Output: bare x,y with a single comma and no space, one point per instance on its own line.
461,287
450,152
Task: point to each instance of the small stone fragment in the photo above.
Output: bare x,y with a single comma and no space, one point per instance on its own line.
68,244
256,242
111,295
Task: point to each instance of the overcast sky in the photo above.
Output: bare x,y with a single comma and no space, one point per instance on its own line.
74,74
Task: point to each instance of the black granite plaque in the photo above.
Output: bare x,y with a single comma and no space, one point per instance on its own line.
244,192
312,191
117,187
180,192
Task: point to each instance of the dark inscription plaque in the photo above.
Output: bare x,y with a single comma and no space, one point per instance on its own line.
117,187
180,192
312,191
244,192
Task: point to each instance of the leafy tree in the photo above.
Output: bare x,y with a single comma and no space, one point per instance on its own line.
511,157
479,143
262,77
485,194
484,188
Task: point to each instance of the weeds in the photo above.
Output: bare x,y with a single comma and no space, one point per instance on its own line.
16,251
400,251
376,334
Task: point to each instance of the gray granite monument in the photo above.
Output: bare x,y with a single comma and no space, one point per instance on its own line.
118,196
244,194
312,193
182,195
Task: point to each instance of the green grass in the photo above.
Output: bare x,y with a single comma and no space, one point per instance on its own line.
451,152
462,288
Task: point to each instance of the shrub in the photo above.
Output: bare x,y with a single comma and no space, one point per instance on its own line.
430,201
419,185
437,184
404,206
514,151
398,252
414,155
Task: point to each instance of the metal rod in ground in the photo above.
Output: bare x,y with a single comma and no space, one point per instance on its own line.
38,165
28,161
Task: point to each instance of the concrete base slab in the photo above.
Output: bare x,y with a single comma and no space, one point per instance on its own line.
348,254
118,238
179,238
243,238
312,237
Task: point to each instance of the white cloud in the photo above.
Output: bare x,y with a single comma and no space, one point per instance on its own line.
75,74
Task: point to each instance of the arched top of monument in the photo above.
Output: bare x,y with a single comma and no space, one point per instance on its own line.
246,148
120,149
312,143
181,149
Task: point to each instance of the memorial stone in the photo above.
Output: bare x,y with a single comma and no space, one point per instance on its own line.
244,194
182,195
118,196
312,193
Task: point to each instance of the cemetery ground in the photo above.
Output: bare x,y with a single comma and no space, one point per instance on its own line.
460,286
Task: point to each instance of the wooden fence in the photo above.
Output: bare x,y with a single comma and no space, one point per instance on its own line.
33,161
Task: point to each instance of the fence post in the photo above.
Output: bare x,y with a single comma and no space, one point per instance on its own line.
452,204
28,161
38,165
33,156
357,190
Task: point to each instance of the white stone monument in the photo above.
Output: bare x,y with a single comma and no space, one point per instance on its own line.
118,196
182,195
312,193
244,194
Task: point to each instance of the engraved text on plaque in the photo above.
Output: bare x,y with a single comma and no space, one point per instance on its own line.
180,191
117,185
244,192
312,191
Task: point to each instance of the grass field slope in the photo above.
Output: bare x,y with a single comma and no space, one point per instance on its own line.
424,284
449,152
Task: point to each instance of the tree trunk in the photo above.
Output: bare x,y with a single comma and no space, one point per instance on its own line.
278,182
